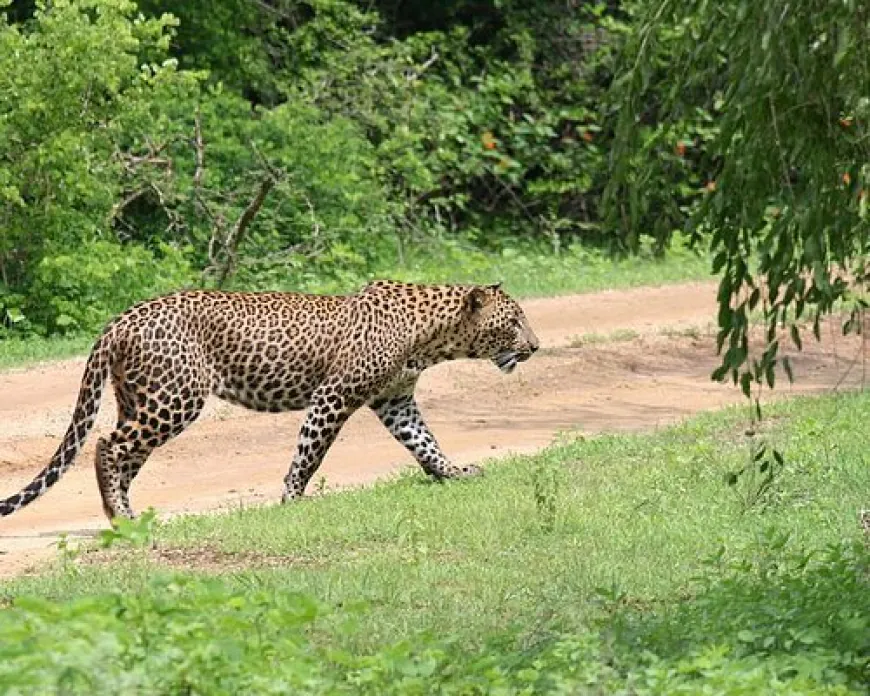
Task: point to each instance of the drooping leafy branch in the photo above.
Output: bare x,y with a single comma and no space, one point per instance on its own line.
788,86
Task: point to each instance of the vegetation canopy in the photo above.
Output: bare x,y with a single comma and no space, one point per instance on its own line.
286,144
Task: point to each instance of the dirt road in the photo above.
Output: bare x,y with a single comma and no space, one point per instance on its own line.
657,373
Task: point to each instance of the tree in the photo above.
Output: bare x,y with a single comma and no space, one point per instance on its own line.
787,85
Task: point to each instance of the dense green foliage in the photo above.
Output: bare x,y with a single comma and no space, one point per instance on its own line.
620,564
788,85
192,635
288,143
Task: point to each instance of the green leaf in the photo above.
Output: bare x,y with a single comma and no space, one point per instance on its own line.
746,384
720,373
754,299
786,365
796,336
746,636
770,374
14,315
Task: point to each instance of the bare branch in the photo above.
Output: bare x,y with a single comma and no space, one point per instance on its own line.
315,225
225,241
218,240
203,205
275,174
199,199
132,162
414,74
237,234
117,210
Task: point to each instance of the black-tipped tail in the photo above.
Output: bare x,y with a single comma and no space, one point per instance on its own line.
90,394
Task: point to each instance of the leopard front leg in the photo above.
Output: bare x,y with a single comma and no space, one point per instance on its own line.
326,415
401,416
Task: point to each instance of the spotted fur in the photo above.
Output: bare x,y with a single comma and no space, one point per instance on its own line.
280,352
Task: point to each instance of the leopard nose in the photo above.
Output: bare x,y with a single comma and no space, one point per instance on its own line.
534,344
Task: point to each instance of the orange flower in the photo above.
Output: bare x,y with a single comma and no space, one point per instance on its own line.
587,136
711,186
846,178
846,121
488,140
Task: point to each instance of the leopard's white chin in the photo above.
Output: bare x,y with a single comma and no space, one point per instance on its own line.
506,362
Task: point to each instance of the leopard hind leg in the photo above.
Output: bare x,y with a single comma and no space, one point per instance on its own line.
150,413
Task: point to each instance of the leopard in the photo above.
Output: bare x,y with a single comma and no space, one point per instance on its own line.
328,355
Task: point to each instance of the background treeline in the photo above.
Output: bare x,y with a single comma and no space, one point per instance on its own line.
311,144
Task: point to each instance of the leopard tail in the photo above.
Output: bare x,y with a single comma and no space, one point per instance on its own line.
88,404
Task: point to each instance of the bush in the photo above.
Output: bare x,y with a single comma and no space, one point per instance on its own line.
373,132
772,613
82,86
772,624
79,290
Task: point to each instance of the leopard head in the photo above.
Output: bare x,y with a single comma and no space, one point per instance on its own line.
498,327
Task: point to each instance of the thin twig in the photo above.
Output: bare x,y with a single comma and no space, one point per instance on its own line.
199,150
785,170
315,225
412,75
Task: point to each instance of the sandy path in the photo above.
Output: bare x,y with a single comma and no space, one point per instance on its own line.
232,455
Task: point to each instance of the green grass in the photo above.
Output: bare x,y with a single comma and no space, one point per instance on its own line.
17,352
524,274
535,273
628,558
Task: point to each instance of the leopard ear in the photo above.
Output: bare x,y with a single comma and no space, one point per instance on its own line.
495,286
476,299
